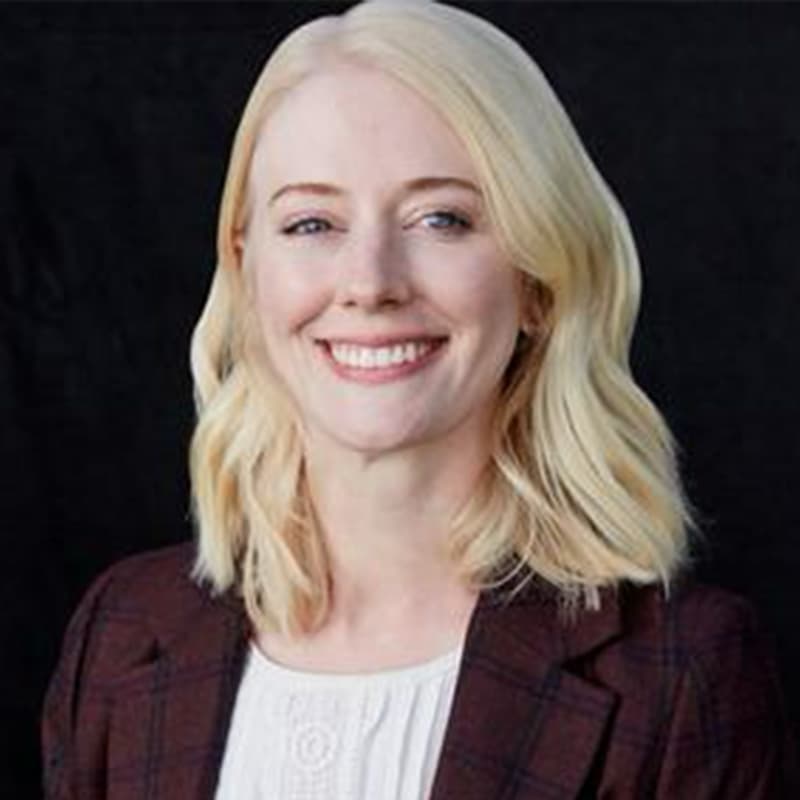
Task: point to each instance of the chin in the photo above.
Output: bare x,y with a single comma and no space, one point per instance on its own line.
374,444
373,439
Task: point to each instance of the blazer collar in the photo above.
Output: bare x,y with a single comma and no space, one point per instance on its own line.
521,725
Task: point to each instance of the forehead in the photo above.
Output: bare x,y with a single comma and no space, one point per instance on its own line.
356,125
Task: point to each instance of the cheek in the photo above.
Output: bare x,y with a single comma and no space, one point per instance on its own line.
481,292
485,300
287,298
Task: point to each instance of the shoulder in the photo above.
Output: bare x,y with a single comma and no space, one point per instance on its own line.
697,631
695,626
162,567
137,606
151,574
692,616
155,586
698,691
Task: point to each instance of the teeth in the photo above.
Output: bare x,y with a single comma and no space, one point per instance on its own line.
376,357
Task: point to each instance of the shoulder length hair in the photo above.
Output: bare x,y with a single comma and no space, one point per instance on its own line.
582,488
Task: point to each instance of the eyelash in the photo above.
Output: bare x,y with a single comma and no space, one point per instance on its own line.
461,221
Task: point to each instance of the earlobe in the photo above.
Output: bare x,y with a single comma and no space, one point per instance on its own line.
238,247
526,327
535,304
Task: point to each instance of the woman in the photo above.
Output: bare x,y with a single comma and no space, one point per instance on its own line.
442,542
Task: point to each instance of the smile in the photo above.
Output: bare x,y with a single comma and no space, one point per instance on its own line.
376,357
383,363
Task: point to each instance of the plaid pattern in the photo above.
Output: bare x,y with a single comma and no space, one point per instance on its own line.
643,699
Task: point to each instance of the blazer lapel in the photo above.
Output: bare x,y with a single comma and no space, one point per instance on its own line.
522,725
171,716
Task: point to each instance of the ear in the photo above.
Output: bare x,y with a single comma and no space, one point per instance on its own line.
534,304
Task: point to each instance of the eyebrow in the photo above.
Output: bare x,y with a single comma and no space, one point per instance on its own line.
415,185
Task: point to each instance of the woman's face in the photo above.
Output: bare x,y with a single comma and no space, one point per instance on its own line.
385,303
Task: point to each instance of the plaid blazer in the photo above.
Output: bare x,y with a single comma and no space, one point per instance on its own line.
645,698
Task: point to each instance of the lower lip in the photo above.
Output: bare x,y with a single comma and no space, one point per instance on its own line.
391,372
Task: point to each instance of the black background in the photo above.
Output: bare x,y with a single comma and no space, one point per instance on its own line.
115,126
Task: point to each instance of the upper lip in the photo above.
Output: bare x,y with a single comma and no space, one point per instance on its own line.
380,340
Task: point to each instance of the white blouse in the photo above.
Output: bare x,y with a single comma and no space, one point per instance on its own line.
299,735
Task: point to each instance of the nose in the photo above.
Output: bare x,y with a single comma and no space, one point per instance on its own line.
373,272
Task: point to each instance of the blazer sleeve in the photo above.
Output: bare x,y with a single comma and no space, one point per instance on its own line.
63,697
105,639
728,736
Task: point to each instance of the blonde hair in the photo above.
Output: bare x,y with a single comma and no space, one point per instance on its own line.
583,488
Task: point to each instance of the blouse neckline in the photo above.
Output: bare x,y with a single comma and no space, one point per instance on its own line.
413,673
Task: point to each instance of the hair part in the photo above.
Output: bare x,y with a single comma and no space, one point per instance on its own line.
583,488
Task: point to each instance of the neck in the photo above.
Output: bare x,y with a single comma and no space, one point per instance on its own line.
385,519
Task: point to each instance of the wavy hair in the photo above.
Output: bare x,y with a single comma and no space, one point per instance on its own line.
582,488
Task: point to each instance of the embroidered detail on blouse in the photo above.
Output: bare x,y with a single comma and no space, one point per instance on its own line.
302,735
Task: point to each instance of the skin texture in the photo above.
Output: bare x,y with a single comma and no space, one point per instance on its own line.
388,463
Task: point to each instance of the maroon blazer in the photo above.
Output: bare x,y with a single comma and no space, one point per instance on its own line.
642,699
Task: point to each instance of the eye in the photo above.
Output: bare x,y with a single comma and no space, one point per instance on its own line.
448,221
306,226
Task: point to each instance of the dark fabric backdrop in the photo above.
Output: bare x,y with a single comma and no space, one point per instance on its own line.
115,126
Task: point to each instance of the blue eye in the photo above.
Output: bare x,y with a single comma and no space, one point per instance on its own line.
448,222
306,226
453,221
